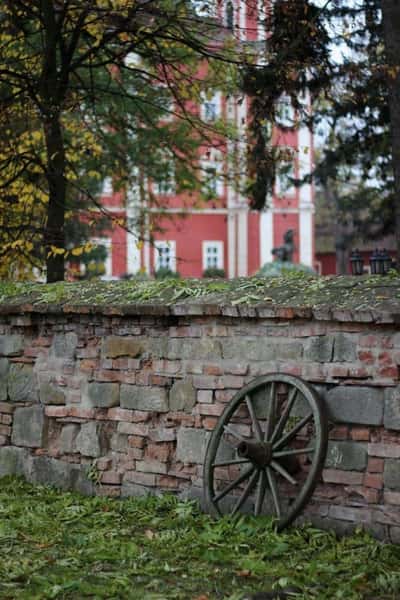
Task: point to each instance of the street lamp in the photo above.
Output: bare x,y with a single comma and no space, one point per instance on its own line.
376,262
357,263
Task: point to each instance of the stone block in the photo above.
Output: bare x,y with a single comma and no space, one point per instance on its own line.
64,345
182,396
30,427
50,393
129,489
191,445
22,384
14,461
319,349
4,367
392,408
11,345
88,441
67,440
194,349
115,346
391,474
103,395
354,404
144,398
60,474
344,348
348,456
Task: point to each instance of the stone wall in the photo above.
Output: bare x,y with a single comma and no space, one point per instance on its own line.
124,405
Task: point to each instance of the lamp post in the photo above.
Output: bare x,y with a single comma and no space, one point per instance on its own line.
357,263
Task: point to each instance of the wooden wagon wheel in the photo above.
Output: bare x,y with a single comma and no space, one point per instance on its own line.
267,450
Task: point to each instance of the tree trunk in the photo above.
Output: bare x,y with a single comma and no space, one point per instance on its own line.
54,237
391,28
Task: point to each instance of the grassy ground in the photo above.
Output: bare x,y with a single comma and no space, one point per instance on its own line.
55,545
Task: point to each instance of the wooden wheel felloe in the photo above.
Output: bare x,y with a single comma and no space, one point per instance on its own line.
267,450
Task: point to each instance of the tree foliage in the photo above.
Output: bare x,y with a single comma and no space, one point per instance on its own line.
89,89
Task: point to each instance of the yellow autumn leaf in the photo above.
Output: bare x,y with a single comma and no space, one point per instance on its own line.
77,251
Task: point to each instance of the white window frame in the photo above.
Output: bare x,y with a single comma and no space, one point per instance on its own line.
167,187
214,100
160,246
209,244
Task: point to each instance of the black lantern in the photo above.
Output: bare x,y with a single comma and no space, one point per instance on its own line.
386,261
376,263
357,263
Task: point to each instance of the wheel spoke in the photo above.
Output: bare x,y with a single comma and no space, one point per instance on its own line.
227,463
274,491
234,483
282,471
308,450
271,412
284,416
262,485
235,434
290,435
254,420
246,492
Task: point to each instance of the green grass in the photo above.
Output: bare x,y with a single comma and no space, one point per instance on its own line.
55,545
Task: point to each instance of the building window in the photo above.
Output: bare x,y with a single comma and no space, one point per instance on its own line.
285,112
213,255
212,168
229,16
166,186
284,183
165,255
211,107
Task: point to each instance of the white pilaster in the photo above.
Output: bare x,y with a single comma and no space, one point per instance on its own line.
231,244
266,236
242,242
306,236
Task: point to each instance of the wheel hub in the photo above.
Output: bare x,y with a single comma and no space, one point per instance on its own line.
260,453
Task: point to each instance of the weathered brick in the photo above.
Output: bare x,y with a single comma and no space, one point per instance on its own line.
103,463
151,466
159,452
111,477
146,399
6,419
375,465
208,382
136,441
7,408
349,513
140,477
133,428
50,393
360,434
391,497
373,480
204,396
343,477
5,430
384,450
56,411
210,409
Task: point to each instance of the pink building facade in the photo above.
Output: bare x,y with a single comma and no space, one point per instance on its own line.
223,233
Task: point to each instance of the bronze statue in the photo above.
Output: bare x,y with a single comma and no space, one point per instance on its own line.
285,252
